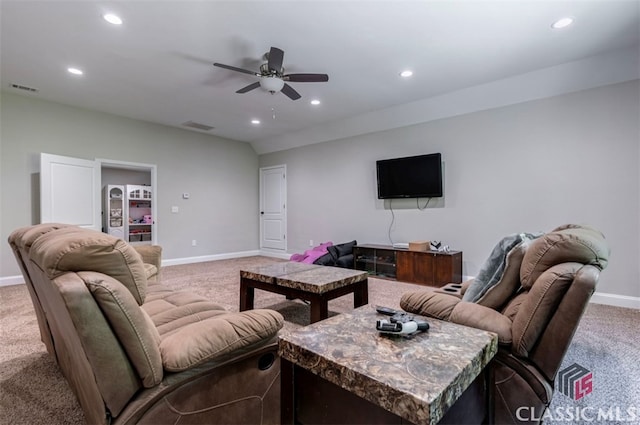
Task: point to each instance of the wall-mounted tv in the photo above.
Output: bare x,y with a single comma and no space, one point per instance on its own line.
410,177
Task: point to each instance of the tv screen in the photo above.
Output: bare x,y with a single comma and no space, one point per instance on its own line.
410,177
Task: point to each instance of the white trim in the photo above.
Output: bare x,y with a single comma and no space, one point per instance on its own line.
597,298
274,253
616,300
214,257
15,280
11,280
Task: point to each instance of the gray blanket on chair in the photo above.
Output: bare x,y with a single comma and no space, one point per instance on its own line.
492,269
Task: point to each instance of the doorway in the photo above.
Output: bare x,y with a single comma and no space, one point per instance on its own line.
273,208
71,188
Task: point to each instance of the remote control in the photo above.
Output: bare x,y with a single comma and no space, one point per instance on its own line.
386,311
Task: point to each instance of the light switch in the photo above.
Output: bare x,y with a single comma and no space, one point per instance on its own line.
175,209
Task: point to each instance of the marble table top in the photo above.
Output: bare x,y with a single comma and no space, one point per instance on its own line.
306,277
417,379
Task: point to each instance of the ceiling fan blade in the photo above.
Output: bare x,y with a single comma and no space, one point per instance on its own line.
233,68
249,87
306,78
275,59
290,92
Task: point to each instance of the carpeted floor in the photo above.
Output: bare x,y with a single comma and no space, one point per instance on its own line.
33,391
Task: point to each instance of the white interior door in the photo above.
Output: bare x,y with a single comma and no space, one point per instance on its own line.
273,208
70,191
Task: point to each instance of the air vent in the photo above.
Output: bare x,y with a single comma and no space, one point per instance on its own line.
197,126
25,88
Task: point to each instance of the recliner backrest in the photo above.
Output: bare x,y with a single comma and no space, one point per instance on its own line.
92,284
569,243
555,272
20,241
73,249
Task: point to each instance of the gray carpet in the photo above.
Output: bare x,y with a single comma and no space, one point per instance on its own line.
33,391
607,344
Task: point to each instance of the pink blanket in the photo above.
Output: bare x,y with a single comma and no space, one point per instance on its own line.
312,254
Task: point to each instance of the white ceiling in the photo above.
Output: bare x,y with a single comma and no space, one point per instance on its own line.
157,66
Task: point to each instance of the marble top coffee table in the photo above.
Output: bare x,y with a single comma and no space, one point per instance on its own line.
343,371
310,282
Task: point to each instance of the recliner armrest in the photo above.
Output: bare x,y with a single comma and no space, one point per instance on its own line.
151,254
214,337
481,317
429,303
452,309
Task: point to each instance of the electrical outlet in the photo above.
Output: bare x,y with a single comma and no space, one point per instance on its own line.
194,242
310,242
175,209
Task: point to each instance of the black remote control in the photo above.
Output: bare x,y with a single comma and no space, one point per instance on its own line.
386,310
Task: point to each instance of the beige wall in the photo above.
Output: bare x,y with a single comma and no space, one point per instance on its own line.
529,167
220,175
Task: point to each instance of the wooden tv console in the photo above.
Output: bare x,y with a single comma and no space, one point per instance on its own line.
433,268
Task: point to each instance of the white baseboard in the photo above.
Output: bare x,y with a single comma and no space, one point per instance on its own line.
597,298
16,280
616,300
11,280
214,257
275,254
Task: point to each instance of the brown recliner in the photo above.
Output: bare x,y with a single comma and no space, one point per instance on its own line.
534,306
21,240
136,351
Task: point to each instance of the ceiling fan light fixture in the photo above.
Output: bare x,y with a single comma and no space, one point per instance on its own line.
112,19
315,102
272,76
75,71
562,23
271,84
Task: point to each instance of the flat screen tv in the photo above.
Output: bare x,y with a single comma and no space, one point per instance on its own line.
410,177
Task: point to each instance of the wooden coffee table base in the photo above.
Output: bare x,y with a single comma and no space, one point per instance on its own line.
309,399
318,302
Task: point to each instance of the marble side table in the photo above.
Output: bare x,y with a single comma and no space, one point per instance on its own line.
341,370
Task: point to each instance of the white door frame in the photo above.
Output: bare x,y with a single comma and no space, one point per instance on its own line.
137,166
272,251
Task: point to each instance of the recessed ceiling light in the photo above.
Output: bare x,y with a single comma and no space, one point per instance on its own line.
75,71
112,19
255,122
315,102
406,74
562,23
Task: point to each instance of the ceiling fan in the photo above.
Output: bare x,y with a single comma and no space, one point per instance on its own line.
272,76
